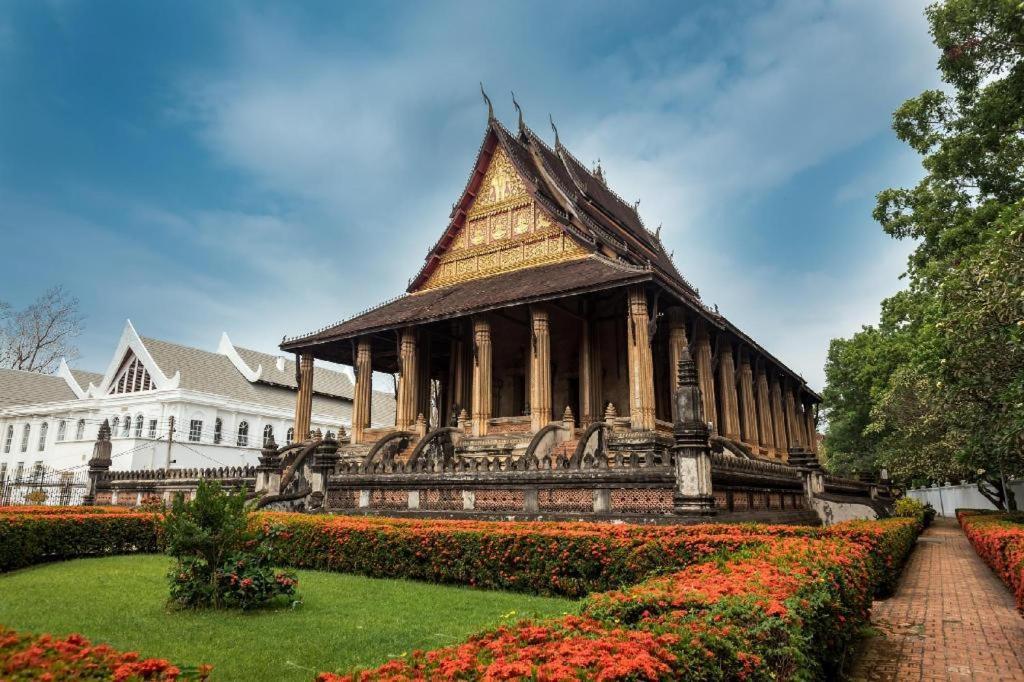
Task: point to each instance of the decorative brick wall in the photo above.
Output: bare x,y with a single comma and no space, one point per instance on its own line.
389,499
565,500
642,501
343,499
500,500
447,499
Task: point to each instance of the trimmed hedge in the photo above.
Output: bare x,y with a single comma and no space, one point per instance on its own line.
568,559
786,608
27,539
700,602
44,657
998,538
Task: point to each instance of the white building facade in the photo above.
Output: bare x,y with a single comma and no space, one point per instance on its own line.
169,406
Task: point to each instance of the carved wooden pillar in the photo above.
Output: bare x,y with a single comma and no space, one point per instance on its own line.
641,365
362,400
793,426
482,369
748,411
540,368
677,343
304,397
705,374
590,395
778,420
811,429
730,417
765,430
423,387
408,391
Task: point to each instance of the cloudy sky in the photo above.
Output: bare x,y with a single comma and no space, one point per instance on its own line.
265,169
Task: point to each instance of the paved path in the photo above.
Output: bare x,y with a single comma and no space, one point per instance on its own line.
950,619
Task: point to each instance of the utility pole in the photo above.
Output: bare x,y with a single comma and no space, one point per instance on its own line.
170,441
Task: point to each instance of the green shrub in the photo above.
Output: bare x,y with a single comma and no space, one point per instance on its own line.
219,561
27,539
909,508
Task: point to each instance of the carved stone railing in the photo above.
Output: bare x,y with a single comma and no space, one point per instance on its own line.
847,486
730,470
218,473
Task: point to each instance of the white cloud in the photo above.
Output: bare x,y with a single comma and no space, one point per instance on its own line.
380,139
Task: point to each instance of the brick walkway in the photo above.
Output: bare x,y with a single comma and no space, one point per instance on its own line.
950,619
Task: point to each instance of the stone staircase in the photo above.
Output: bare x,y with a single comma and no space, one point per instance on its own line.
800,457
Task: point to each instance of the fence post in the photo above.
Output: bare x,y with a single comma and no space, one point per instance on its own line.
99,464
693,493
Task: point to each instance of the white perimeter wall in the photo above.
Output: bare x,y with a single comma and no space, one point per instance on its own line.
948,498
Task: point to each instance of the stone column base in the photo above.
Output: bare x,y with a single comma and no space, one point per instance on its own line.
693,505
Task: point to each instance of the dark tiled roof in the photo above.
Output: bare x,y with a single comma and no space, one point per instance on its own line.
512,288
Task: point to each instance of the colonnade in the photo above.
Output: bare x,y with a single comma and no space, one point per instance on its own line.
743,399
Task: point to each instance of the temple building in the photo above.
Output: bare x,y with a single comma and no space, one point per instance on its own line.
546,300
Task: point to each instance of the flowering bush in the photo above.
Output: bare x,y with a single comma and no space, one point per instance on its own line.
998,538
35,537
219,562
888,541
47,658
782,608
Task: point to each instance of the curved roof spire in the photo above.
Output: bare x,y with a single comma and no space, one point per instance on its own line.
558,143
522,126
490,107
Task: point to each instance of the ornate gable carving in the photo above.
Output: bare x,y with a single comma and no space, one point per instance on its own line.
505,230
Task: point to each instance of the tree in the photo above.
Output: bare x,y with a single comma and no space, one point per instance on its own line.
36,338
948,398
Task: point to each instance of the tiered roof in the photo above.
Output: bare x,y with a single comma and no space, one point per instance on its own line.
622,250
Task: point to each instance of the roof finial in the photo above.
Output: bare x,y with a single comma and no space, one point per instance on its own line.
490,107
599,172
657,233
522,126
557,142
636,205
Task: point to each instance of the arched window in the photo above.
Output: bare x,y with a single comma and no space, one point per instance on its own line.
80,430
290,436
138,426
8,438
113,426
218,429
24,437
62,430
268,435
243,434
42,436
126,429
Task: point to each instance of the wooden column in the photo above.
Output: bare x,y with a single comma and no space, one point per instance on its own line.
590,395
677,342
362,400
811,429
730,417
458,388
778,420
482,369
540,368
748,410
304,397
705,375
641,365
408,391
793,426
423,388
765,430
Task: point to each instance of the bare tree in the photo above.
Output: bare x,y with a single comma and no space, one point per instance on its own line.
35,339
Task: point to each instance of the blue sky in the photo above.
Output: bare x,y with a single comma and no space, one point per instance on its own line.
264,169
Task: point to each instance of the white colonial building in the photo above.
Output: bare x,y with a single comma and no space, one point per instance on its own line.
168,406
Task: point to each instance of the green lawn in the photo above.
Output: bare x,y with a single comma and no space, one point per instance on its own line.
344,620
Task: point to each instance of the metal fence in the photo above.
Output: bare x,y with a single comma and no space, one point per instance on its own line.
44,486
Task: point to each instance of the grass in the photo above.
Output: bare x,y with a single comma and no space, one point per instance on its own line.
344,620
